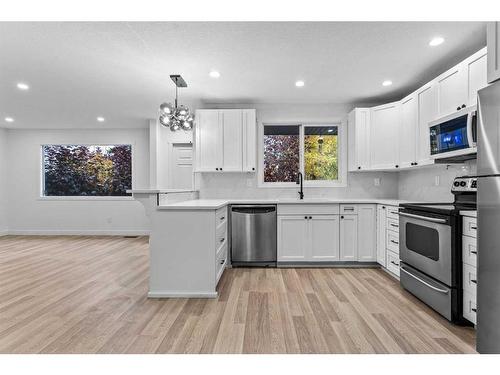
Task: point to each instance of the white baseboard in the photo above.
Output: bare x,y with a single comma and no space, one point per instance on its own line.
182,295
52,232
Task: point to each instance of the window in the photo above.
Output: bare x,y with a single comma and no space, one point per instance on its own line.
86,170
313,150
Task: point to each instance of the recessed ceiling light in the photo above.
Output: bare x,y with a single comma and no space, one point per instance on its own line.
214,74
22,86
436,41
100,119
9,119
299,83
387,83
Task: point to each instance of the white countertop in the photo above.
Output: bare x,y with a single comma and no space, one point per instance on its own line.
469,213
214,204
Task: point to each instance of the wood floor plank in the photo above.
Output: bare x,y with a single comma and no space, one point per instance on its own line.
88,294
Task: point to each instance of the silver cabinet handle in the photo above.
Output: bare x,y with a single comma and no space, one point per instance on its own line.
431,219
424,282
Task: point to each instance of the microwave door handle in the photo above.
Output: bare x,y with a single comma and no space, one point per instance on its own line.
444,291
431,219
470,139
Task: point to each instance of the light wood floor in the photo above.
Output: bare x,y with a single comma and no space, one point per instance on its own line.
88,295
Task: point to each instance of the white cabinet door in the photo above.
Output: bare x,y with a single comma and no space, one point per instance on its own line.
381,228
367,232
208,138
232,127
408,132
493,45
451,90
384,136
427,110
348,237
293,243
324,237
476,69
249,140
359,133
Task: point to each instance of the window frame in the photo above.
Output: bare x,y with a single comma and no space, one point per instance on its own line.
341,155
41,189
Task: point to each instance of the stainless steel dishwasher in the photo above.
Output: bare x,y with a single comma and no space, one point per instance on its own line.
253,235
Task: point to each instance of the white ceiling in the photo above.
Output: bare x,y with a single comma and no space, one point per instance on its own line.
78,71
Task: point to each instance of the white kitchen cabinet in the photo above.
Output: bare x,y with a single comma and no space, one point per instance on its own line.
408,132
367,232
384,136
249,140
381,233
451,90
358,123
293,238
427,110
493,45
208,141
225,140
324,237
348,237
476,70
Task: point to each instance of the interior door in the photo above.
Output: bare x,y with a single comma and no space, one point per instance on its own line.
408,131
293,238
348,237
324,234
181,166
232,125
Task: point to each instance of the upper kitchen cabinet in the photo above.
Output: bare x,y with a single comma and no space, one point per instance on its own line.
493,43
225,140
384,134
427,109
476,69
408,132
451,90
358,123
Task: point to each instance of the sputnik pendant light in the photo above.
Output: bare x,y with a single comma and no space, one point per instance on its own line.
173,116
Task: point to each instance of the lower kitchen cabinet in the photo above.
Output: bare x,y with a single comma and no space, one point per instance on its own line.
324,237
381,228
348,237
293,238
367,232
388,238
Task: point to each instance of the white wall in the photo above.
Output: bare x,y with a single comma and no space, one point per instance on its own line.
244,185
3,179
30,214
420,185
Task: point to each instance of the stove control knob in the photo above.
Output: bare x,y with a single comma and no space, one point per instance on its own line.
463,183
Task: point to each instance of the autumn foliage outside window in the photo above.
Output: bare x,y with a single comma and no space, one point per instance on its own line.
87,170
281,153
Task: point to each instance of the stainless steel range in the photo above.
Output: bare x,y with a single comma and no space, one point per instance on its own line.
430,240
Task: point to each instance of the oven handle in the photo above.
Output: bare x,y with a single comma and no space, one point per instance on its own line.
426,218
424,282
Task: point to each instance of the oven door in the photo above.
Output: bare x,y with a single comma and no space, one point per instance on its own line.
425,243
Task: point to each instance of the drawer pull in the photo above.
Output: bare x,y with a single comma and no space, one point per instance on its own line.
222,240
396,242
444,291
348,208
394,225
222,218
474,310
473,227
222,261
393,262
474,281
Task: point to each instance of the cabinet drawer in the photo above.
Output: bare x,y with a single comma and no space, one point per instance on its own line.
308,209
469,227
348,209
469,279
393,262
221,236
470,307
392,212
220,262
392,241
469,250
393,225
221,216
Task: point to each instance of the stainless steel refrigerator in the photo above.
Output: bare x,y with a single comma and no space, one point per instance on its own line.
488,228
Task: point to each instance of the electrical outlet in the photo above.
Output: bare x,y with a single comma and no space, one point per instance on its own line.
249,182
436,180
376,181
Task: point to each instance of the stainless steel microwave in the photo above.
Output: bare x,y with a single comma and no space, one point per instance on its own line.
454,135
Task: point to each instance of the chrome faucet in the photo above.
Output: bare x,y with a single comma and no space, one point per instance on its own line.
300,181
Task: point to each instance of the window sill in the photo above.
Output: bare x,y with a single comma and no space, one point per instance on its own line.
60,198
